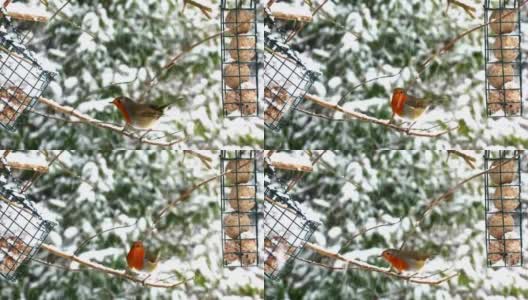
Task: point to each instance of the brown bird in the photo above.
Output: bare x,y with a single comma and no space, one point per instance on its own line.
405,260
142,116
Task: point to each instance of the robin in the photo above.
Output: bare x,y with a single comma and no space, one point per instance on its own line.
136,256
405,260
407,106
141,259
142,116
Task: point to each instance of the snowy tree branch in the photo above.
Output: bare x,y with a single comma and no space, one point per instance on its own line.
24,13
382,122
365,266
287,13
118,273
105,125
18,162
291,164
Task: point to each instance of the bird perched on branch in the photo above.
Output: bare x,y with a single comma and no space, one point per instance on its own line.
139,115
407,106
141,259
405,260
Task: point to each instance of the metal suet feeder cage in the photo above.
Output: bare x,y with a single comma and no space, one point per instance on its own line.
22,228
503,57
286,231
240,84
504,211
239,208
286,81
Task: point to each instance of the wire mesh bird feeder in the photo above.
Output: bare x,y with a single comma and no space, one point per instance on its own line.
504,211
239,208
286,231
239,58
286,81
502,41
22,78
22,229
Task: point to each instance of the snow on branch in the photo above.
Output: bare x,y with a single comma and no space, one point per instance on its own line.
382,122
22,161
118,273
287,12
365,266
287,161
24,12
82,118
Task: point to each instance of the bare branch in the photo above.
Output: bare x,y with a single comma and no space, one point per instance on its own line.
118,273
206,160
470,10
470,160
365,266
382,122
85,119
206,10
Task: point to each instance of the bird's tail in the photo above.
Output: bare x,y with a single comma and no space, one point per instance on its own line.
166,107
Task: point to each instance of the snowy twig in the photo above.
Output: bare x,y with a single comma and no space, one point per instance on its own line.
92,121
25,13
291,164
382,122
285,12
119,273
24,164
365,266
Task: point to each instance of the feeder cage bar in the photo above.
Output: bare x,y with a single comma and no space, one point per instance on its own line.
286,81
239,208
503,57
239,58
22,78
504,211
286,231
22,229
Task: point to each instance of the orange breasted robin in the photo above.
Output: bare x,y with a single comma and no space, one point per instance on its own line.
407,106
136,256
141,259
405,260
142,116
